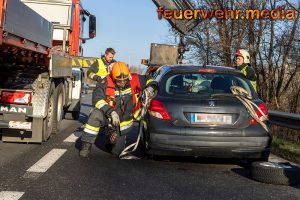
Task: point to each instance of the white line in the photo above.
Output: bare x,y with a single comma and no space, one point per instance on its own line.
73,137
47,161
10,195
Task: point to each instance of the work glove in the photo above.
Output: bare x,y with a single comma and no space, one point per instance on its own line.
115,118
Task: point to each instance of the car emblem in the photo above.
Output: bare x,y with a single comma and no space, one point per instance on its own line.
211,103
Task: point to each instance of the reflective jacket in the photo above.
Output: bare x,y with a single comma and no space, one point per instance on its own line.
108,97
100,68
250,74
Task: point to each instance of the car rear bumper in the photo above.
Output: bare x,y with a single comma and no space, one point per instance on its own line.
223,147
165,138
252,142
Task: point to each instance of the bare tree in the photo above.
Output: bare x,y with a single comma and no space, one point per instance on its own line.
272,45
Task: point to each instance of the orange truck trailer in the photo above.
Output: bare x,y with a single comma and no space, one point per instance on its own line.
39,40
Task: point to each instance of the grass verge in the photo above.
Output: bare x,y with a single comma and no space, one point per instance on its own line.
287,150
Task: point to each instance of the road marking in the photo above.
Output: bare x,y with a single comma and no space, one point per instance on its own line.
47,161
10,195
73,137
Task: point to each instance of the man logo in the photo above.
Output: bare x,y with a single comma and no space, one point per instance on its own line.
7,109
211,103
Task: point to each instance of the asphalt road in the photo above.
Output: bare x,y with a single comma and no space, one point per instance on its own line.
105,177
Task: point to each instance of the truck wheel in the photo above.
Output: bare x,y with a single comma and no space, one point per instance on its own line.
275,173
58,108
46,130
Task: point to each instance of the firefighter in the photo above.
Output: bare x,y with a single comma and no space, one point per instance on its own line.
116,102
242,58
100,68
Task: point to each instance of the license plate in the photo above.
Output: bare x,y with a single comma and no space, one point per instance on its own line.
211,119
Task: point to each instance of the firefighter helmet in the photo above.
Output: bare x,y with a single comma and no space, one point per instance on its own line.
120,71
244,54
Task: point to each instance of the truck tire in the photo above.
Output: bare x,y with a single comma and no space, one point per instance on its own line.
58,108
275,173
51,111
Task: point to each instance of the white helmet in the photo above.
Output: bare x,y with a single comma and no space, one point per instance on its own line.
244,54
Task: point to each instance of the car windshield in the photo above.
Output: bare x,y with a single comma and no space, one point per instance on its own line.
203,84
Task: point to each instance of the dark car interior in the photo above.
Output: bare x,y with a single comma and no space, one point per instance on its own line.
220,85
177,86
182,84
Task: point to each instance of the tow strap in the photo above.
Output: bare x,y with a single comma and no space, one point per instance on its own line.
145,101
244,96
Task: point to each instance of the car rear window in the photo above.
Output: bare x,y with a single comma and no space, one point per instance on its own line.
202,84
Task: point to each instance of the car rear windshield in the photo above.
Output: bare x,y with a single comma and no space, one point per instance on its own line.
202,84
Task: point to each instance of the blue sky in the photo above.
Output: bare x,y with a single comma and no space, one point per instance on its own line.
129,26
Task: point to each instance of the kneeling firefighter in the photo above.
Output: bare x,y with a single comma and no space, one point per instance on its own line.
117,104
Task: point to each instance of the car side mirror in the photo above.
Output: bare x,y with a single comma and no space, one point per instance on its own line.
92,26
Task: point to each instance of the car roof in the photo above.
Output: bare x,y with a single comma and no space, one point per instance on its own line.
185,68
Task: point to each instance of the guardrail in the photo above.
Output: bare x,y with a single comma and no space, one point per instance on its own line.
285,119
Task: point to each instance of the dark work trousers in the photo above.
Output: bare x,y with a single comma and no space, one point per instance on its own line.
98,119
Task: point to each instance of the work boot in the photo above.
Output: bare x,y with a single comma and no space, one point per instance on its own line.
85,150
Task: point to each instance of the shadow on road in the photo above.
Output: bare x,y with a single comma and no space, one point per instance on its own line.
87,105
242,172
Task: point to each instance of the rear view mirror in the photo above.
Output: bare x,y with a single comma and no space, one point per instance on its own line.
92,26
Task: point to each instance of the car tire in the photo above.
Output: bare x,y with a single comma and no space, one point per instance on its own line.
275,173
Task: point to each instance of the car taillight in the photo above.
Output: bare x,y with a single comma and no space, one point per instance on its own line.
15,97
158,110
264,109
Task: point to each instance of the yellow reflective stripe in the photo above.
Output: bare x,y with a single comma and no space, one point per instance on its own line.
92,128
100,104
127,91
245,73
91,75
137,114
145,124
126,123
254,84
90,131
149,80
82,61
101,68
